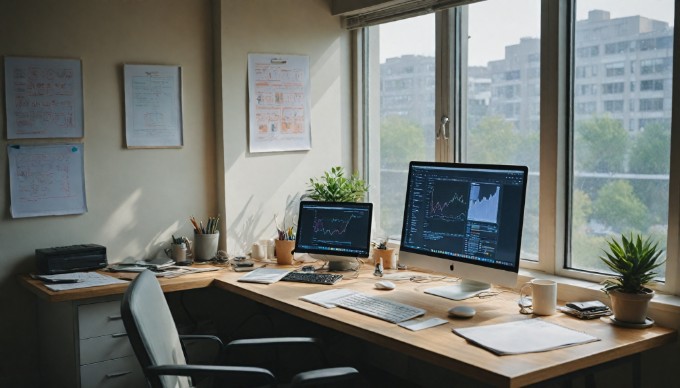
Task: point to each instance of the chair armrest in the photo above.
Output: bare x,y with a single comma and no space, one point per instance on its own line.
326,376
253,375
274,341
193,337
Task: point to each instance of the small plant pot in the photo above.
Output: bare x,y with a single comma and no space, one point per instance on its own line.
388,258
631,308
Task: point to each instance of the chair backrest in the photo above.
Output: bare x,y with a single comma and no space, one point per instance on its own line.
151,329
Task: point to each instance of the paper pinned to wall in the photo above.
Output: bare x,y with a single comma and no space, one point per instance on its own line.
46,179
279,103
43,98
153,106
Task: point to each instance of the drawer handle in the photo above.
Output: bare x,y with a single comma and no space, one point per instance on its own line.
114,317
118,335
118,374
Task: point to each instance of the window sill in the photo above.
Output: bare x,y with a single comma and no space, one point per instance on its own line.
664,308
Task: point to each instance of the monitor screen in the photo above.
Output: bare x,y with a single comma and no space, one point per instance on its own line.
334,228
464,219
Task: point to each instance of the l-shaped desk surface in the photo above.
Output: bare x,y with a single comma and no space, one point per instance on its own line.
437,345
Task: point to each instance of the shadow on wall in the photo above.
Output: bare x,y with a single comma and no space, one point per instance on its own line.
247,227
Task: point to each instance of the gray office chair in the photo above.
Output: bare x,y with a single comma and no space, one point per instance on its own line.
158,347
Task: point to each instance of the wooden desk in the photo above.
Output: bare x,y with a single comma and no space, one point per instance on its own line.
180,283
439,346
81,335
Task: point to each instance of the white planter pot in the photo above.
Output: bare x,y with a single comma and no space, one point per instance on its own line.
630,308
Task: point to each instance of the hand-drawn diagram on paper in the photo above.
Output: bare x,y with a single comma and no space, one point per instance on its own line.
279,102
153,106
46,179
43,98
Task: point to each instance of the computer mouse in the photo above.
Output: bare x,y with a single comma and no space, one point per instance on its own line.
462,312
385,285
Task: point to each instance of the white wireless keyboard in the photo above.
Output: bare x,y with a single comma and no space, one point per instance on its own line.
380,308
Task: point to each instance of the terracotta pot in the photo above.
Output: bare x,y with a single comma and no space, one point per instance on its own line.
630,308
388,258
284,251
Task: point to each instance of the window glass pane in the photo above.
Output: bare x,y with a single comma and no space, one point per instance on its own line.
621,135
503,95
402,113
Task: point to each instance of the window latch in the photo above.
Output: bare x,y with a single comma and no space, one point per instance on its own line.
442,128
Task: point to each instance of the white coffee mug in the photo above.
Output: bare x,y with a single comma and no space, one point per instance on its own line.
543,296
258,251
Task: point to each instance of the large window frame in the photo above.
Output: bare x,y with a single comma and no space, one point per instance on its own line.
557,20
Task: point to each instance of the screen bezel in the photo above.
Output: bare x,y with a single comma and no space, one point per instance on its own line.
454,258
357,205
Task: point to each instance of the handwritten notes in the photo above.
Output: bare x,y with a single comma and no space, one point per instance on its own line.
153,106
279,104
46,179
43,98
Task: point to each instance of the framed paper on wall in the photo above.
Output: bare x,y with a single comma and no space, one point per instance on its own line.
43,98
153,106
46,179
279,103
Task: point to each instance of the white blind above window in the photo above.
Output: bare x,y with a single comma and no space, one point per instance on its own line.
362,13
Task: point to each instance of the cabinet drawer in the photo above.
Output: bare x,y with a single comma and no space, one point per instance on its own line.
119,373
98,319
104,348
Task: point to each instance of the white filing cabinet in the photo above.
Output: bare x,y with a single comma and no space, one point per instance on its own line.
83,344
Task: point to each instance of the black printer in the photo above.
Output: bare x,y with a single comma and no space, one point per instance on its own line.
72,258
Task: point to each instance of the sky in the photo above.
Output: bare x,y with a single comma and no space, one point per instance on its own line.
495,24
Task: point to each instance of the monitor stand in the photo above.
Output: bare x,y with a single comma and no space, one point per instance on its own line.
337,263
463,290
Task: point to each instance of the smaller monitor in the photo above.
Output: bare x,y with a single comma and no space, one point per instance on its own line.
336,232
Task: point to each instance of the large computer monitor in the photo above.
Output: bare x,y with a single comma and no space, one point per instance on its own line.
464,220
336,232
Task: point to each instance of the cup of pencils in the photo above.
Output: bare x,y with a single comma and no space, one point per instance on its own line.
284,246
206,238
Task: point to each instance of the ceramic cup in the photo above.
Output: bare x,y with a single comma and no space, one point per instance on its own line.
543,296
177,252
284,251
205,246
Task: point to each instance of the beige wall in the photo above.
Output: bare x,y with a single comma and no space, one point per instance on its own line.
259,185
136,198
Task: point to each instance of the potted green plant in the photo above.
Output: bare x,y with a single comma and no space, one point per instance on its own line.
335,186
633,261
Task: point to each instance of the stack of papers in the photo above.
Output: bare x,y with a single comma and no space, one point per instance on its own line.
264,275
326,298
75,280
525,336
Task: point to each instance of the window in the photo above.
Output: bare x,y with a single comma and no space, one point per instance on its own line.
651,84
620,175
506,131
489,79
403,71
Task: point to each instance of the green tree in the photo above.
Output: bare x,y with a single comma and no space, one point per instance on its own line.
651,153
493,140
581,209
618,207
600,145
401,141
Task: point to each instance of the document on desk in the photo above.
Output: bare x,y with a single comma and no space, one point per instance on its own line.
79,280
525,336
264,275
325,298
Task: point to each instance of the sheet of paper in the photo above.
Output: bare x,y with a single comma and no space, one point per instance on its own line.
264,275
86,279
417,324
325,298
525,336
